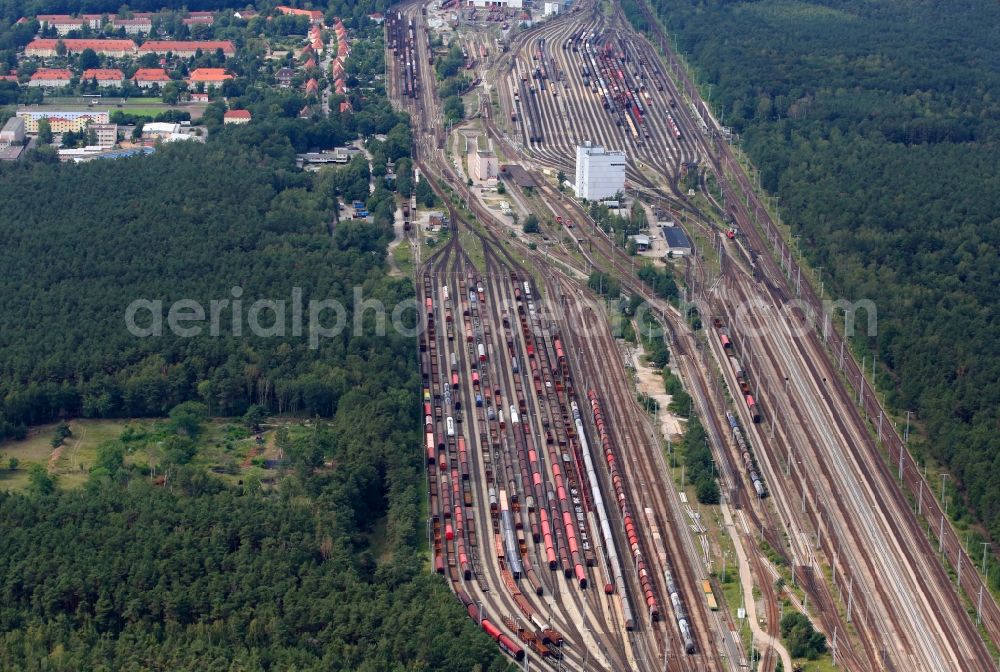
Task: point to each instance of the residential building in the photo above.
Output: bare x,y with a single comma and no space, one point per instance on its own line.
64,23
198,97
284,77
245,14
316,39
46,47
551,8
104,76
51,78
12,133
186,49
236,117
93,21
210,77
600,173
67,25
147,78
312,87
107,134
61,121
141,26
199,20
315,16
484,166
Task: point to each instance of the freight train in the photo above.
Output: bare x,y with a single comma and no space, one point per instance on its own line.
680,613
617,584
507,645
749,463
741,375
402,40
631,532
673,126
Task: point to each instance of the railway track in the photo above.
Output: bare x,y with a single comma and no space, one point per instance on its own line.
726,168
829,347
586,626
952,545
619,656
557,121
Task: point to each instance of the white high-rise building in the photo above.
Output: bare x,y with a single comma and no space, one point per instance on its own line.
600,173
512,4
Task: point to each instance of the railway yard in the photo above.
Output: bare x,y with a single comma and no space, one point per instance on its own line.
553,512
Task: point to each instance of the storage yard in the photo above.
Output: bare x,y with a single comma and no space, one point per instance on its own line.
552,511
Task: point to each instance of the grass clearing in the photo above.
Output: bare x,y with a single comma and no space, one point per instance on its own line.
70,463
402,254
144,111
225,448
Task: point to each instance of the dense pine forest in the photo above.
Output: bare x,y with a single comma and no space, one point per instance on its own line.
191,222
194,575
878,125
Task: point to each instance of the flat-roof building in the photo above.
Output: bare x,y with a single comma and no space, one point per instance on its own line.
677,241
600,173
107,134
642,241
484,166
12,133
512,4
159,129
61,121
520,177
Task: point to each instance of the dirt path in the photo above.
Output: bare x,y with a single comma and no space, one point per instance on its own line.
54,458
397,227
650,382
57,452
